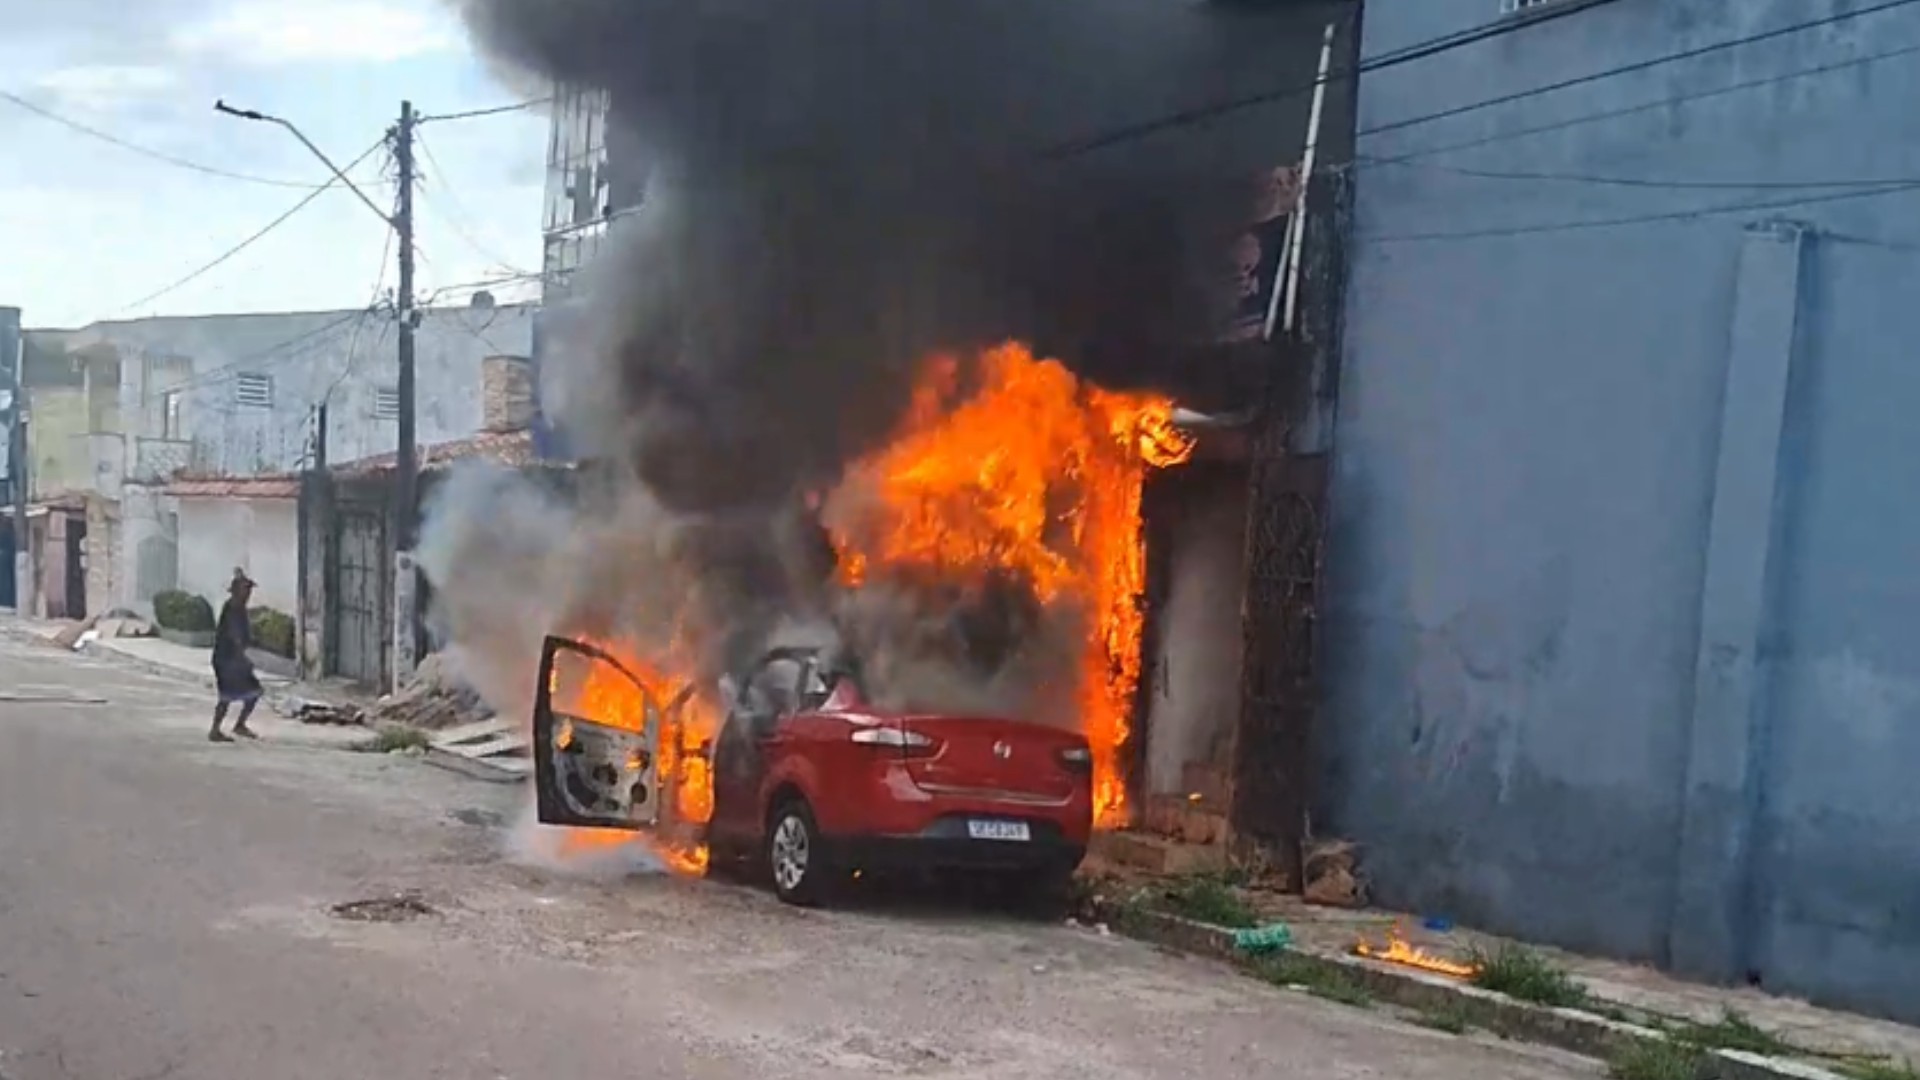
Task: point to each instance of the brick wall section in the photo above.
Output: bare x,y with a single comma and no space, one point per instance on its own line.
506,393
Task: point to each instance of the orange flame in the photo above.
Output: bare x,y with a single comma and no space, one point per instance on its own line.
1030,470
1398,950
609,698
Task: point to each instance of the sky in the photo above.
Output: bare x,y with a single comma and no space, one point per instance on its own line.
89,230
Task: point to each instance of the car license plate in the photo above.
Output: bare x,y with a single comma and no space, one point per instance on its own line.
999,830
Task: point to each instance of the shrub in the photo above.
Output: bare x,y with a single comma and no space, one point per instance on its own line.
182,611
272,630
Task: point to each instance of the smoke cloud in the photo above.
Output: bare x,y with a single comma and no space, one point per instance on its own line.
835,189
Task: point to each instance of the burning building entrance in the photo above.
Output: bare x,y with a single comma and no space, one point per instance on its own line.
791,363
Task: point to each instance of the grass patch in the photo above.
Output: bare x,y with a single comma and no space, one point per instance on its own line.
1320,980
1210,900
1521,973
1657,1060
395,738
1451,1018
1734,1031
1876,1069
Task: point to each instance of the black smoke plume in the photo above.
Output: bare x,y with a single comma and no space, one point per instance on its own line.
835,189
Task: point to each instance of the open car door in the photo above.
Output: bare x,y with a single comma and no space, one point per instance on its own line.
596,740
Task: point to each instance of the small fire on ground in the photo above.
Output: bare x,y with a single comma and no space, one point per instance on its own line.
1007,466
1398,950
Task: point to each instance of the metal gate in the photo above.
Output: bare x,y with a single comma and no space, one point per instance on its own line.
361,611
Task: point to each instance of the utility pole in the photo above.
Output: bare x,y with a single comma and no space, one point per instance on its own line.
406,581
13,354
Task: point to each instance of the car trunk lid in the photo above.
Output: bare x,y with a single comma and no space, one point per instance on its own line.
993,758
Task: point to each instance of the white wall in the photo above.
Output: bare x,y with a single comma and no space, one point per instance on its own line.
344,359
147,549
1196,687
261,535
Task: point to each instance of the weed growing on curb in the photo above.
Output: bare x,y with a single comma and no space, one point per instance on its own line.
1656,1060
389,739
1877,1069
1209,899
1320,980
1733,1031
1451,1018
1521,973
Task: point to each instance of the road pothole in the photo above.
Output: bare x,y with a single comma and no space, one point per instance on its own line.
402,907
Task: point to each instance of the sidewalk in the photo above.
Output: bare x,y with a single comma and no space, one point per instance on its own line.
1820,1031
1624,1004
168,660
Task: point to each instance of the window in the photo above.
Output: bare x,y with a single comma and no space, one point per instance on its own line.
170,415
253,391
386,403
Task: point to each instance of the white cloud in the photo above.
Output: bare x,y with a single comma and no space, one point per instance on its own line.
104,87
266,34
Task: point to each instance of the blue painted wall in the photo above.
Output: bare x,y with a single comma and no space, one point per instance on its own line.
1622,630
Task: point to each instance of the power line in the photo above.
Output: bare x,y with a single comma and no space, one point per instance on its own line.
274,354
146,151
373,304
243,245
1635,181
1418,51
1638,66
458,207
1437,46
1660,103
475,114
1642,219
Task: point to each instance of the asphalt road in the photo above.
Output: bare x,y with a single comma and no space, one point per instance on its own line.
166,911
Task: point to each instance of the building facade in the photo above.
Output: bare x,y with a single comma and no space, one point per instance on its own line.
1622,574
141,406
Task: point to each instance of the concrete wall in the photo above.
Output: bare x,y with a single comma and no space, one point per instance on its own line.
1195,675
1618,631
218,534
59,457
342,358
147,554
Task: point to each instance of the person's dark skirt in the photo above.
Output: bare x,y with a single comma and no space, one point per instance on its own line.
235,680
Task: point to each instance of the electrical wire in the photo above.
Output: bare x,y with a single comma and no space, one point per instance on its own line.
475,114
1459,39
1650,106
270,357
1635,181
1633,68
459,208
147,151
1437,46
1641,219
243,245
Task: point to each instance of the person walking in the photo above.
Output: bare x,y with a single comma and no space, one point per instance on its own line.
233,674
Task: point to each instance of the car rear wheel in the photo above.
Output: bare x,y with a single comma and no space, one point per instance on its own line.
795,859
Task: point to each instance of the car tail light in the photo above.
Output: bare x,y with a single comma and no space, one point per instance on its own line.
911,743
1077,759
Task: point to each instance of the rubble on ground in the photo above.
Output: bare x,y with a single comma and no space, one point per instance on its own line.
433,700
118,623
323,712
1332,879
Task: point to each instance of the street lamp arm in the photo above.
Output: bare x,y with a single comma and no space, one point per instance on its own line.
250,114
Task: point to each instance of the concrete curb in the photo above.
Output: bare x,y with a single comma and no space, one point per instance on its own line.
272,686
1568,1029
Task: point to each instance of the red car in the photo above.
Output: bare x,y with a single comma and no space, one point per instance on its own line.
814,784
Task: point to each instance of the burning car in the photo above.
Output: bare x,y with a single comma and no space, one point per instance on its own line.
808,779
